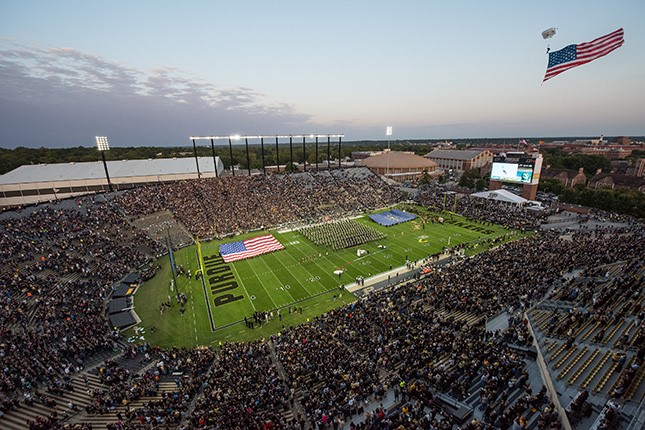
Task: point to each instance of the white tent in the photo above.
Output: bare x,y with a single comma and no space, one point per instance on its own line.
501,196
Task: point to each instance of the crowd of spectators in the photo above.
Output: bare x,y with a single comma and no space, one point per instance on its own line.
189,367
219,206
400,331
62,260
243,390
507,214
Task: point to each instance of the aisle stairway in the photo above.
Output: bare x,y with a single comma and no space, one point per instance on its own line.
100,421
80,397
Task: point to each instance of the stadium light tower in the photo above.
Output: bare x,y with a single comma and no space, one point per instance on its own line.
248,162
328,152
304,154
231,138
102,145
291,152
230,149
388,133
196,160
316,153
214,159
264,170
277,154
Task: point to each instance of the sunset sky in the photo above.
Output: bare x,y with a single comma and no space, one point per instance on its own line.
155,72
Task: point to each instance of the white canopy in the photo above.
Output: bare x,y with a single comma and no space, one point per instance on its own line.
501,195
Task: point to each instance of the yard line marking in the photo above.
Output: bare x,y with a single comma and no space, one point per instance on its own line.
334,280
311,274
293,299
243,286
264,288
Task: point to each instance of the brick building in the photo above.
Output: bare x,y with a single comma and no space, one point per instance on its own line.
614,180
400,166
568,177
460,160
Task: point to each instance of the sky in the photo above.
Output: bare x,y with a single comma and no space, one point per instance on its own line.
150,73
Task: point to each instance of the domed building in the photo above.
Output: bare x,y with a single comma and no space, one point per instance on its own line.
400,166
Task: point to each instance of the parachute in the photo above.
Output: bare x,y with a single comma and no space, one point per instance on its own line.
548,33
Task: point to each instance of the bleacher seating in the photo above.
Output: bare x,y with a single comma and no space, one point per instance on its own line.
428,334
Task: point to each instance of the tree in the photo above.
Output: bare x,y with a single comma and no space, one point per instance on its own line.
425,178
554,186
469,178
591,163
480,184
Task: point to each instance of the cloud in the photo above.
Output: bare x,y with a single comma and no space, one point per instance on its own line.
64,97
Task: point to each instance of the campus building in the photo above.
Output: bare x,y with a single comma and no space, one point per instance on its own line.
568,177
400,166
460,160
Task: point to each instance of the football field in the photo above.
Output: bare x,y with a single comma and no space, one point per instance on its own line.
294,284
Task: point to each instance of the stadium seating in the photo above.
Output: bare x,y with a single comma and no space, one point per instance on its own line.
423,342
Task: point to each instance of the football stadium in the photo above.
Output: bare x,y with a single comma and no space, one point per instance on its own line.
314,300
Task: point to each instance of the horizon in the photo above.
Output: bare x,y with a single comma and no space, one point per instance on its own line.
73,70
412,141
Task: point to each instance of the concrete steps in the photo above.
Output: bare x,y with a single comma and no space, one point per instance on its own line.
80,397
99,421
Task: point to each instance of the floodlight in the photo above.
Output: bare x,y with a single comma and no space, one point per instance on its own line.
280,136
388,131
102,143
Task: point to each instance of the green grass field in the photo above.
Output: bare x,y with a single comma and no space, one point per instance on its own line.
299,277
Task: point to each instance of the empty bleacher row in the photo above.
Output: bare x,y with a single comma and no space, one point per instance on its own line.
590,332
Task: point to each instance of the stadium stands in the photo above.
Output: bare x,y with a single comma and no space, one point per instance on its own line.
210,207
416,355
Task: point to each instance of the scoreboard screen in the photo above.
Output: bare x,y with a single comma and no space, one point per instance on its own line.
519,171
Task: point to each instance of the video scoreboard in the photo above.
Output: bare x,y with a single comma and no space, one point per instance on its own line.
518,168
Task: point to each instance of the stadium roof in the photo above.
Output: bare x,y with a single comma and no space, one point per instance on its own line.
453,154
95,170
501,195
398,160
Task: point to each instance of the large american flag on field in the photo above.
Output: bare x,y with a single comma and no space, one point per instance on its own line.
576,55
234,251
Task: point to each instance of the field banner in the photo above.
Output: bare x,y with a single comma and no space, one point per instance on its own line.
248,248
392,217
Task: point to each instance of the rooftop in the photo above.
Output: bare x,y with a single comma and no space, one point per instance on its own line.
397,160
95,170
453,154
